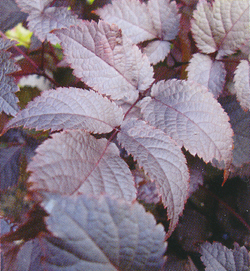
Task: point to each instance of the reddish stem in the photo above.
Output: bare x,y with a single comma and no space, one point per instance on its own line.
38,70
141,96
22,53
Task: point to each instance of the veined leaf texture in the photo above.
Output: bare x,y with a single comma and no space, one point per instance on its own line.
105,59
218,257
75,162
119,115
189,114
76,224
211,74
132,240
222,26
159,19
162,160
70,108
43,18
8,100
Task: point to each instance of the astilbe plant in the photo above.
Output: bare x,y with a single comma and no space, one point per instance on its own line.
78,175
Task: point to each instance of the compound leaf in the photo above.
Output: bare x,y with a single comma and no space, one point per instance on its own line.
70,108
43,19
242,84
162,160
102,234
218,257
211,74
8,100
126,104
165,18
106,60
75,162
222,27
124,13
190,115
159,20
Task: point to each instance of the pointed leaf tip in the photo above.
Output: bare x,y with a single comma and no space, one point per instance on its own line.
105,59
222,26
211,74
70,108
159,21
218,257
188,113
75,162
43,19
162,160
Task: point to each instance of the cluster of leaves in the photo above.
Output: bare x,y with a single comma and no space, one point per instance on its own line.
120,102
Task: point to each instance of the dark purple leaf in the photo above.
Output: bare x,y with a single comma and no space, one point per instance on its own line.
10,15
9,166
240,121
101,234
26,257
